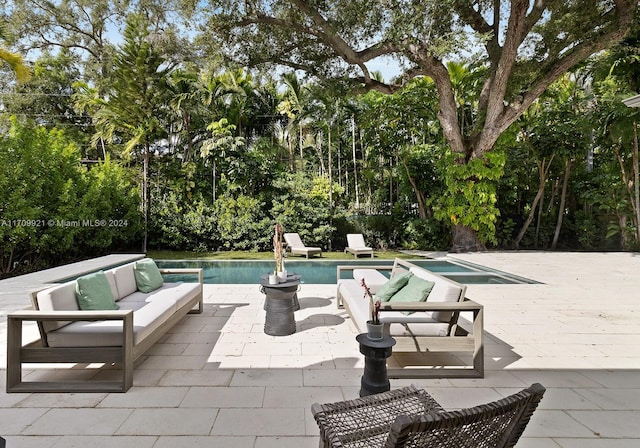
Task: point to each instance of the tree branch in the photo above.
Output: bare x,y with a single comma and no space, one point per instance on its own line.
332,39
448,113
328,36
472,17
617,30
513,38
261,19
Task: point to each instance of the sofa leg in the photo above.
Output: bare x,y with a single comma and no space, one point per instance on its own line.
200,308
14,346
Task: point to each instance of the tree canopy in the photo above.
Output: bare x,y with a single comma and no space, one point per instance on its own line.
521,47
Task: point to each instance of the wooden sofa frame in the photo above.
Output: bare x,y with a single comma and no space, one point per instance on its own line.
460,337
125,355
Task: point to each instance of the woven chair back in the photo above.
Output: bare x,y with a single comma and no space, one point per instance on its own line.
493,425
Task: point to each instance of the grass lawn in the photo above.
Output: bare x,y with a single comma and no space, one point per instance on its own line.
246,255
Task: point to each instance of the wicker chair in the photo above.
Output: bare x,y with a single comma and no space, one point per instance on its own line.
410,417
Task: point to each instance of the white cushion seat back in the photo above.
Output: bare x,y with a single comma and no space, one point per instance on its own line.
443,291
58,298
374,279
63,298
125,280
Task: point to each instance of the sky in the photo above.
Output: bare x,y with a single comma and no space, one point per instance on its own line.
385,65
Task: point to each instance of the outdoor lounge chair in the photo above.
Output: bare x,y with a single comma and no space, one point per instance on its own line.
357,246
410,417
297,247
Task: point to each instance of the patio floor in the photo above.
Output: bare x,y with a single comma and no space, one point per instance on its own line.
217,380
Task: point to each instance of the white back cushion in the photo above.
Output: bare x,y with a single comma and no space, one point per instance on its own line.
125,280
111,278
444,290
57,298
374,279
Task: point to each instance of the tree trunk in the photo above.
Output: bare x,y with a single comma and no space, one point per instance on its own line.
422,207
300,133
145,195
355,162
563,198
291,152
543,171
213,182
625,180
622,223
330,172
465,239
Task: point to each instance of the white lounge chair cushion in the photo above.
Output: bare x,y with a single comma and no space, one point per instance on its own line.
355,242
295,244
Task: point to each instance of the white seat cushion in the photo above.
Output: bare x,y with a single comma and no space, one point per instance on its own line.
108,333
178,293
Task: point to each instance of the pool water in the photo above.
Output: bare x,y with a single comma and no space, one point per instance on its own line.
324,271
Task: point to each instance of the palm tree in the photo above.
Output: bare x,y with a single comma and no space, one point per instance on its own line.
134,112
294,104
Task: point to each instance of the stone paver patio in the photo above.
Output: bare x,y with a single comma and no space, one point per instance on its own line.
217,380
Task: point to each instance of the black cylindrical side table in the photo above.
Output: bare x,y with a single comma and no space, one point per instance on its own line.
279,305
375,380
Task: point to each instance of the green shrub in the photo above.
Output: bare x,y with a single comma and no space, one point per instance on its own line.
241,224
54,210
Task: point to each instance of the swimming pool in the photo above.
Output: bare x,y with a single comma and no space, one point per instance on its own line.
324,271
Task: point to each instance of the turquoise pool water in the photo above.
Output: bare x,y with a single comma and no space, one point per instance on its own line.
324,271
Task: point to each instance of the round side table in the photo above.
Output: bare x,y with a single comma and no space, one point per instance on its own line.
375,380
279,305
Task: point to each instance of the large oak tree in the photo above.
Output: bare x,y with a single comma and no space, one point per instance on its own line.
523,46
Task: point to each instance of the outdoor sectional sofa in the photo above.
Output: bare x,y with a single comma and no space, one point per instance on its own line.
120,335
445,330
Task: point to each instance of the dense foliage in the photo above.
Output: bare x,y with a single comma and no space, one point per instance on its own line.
152,124
52,207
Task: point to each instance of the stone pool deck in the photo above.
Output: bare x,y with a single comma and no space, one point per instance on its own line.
217,380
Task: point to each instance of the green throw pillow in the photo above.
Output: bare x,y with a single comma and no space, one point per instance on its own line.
392,286
148,277
94,293
416,290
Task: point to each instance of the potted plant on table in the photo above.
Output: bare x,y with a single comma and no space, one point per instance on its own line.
374,327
